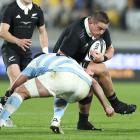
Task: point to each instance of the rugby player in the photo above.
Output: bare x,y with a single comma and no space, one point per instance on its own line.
52,75
20,19
75,41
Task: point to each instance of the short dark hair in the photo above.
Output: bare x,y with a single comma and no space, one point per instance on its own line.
100,16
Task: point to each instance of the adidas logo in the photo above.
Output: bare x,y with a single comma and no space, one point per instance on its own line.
18,16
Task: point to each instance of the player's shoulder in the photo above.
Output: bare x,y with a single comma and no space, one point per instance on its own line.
107,32
76,26
78,23
36,7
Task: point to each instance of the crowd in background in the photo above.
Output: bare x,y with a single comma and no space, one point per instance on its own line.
124,14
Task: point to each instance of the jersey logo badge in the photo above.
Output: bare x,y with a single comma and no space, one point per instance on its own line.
11,59
18,16
25,23
34,15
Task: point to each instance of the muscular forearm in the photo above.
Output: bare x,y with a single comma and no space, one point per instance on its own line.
109,53
19,81
9,37
43,37
99,93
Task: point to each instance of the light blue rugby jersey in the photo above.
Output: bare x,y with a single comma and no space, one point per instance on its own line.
52,62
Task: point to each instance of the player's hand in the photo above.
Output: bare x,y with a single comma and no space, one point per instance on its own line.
24,43
109,111
97,57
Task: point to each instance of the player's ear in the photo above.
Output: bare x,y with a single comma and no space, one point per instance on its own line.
90,20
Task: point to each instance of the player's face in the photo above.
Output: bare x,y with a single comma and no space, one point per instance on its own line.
26,1
98,28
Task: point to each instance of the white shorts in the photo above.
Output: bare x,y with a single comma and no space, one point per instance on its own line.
65,85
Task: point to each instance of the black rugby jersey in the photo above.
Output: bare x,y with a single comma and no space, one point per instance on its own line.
75,42
21,25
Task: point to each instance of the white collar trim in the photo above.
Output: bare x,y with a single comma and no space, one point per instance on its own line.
23,7
87,27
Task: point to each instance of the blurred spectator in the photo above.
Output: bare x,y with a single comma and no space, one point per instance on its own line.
58,12
3,4
136,4
130,18
38,2
114,9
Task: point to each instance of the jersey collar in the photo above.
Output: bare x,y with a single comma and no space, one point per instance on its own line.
87,27
23,7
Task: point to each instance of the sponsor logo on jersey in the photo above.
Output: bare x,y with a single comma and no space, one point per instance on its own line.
34,15
25,23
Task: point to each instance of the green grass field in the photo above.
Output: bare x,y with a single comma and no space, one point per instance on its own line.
33,119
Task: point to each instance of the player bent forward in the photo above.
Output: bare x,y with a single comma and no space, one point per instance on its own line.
52,75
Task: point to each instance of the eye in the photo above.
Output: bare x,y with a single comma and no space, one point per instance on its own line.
100,28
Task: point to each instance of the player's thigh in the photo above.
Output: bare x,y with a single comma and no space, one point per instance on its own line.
10,56
25,59
13,72
97,68
35,88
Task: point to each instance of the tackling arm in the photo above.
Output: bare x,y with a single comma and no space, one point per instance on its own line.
100,95
19,81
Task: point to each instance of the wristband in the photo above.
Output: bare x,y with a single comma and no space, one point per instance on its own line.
45,50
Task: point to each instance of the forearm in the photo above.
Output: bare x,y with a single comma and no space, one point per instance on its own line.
9,37
99,93
43,37
109,53
19,81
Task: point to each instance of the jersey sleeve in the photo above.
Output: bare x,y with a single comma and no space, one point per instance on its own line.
40,21
7,15
107,38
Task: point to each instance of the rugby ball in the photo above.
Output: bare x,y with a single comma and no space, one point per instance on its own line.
99,46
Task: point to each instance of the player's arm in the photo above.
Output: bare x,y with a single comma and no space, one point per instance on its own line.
19,81
109,53
43,37
100,95
99,57
109,46
6,35
28,73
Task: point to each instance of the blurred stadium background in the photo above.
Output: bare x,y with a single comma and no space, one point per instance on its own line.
124,66
125,30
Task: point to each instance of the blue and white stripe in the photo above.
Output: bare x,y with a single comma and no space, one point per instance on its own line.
52,62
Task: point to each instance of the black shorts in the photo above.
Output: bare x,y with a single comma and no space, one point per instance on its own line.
13,56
